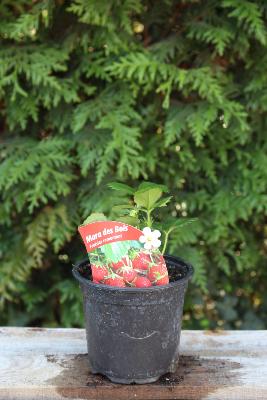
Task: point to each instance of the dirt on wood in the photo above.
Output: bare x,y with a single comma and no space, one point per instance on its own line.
215,332
195,378
36,329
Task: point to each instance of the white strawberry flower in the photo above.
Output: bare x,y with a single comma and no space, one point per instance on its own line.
150,238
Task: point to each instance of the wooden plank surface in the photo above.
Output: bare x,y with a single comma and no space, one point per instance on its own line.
52,364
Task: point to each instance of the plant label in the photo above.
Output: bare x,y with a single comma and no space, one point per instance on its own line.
123,256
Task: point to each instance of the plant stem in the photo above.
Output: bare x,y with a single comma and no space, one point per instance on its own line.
149,221
165,242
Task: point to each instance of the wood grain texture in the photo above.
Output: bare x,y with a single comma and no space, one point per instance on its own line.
52,364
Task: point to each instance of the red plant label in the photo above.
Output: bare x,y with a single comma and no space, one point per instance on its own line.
124,256
99,233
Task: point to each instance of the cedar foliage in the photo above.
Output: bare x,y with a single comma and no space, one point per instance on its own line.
96,91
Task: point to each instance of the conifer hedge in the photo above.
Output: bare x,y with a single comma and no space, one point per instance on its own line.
94,91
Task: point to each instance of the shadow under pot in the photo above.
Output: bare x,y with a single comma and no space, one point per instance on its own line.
133,334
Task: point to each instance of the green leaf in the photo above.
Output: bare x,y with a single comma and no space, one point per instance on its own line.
174,224
150,185
94,217
147,198
121,187
120,207
134,221
163,202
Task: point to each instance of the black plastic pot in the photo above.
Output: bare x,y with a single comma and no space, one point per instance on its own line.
133,334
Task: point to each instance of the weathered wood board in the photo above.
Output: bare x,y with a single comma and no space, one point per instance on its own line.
52,364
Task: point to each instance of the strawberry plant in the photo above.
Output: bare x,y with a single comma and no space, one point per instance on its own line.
133,263
141,210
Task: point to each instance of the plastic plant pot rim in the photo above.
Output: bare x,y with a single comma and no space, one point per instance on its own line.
107,288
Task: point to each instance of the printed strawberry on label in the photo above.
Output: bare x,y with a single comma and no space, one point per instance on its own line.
115,280
127,273
119,264
142,282
158,274
99,272
164,280
159,259
140,260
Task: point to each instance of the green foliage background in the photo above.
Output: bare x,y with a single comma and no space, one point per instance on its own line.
170,91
